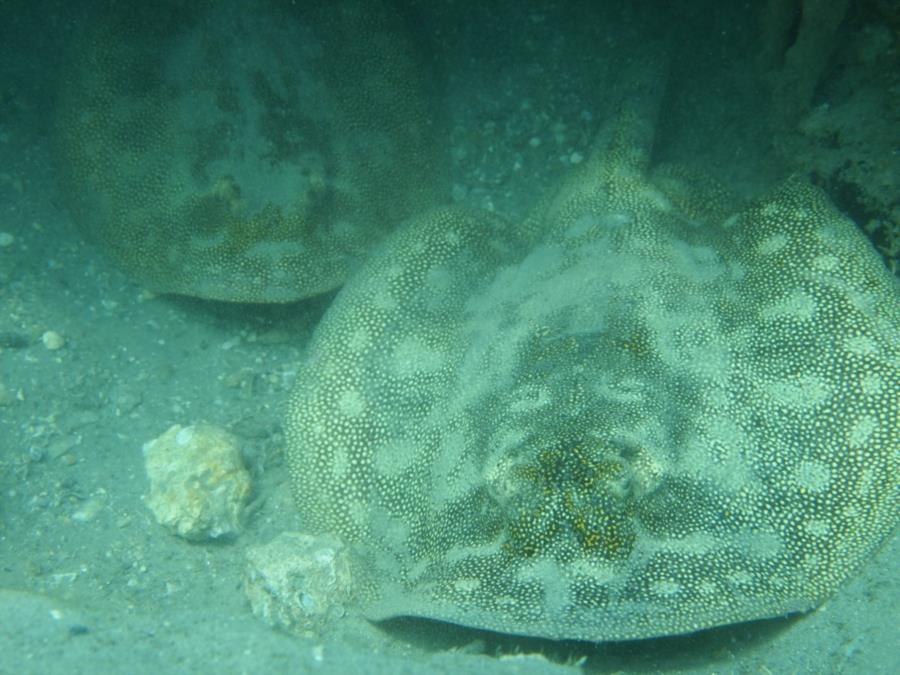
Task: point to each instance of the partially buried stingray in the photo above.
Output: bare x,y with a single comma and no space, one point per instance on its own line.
615,422
245,152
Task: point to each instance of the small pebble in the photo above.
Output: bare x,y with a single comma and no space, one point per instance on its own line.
89,510
53,340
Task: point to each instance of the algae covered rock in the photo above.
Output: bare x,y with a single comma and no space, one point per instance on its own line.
198,484
244,152
297,582
632,422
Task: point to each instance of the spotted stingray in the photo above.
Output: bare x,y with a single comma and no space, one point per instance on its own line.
624,418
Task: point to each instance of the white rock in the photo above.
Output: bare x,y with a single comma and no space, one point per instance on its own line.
53,340
298,582
198,483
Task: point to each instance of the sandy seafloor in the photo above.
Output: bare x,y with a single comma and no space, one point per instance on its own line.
90,583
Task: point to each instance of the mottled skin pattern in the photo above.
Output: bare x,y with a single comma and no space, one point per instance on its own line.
248,156
634,421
